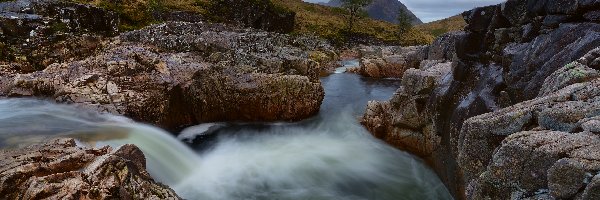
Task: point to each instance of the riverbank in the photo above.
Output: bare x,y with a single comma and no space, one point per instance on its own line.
328,156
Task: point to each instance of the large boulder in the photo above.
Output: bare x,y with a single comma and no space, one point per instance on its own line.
60,169
558,165
177,74
545,145
403,121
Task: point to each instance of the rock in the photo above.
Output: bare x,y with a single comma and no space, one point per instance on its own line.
482,134
178,74
566,177
572,73
518,66
591,59
565,116
479,19
528,162
402,121
61,169
592,16
444,47
592,191
39,33
389,62
545,55
590,124
515,11
553,21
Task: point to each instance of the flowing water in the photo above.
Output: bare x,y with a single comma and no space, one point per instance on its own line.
330,156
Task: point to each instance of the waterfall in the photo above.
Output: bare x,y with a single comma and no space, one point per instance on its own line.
328,157
334,158
27,121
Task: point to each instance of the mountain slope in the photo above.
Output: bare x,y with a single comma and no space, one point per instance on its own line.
386,10
437,28
329,22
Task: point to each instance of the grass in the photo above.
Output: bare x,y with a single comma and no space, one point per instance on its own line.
330,23
136,14
323,21
437,28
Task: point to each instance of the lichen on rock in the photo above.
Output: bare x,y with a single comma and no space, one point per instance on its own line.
179,73
59,169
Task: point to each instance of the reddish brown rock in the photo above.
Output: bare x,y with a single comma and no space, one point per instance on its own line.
389,62
60,169
177,74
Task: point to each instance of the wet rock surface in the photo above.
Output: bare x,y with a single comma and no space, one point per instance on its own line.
178,73
60,169
526,68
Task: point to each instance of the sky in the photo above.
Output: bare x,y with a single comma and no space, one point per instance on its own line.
431,10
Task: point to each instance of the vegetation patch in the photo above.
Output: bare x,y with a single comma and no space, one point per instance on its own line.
331,23
288,16
440,27
261,14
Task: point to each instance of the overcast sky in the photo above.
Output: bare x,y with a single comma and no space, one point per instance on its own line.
431,10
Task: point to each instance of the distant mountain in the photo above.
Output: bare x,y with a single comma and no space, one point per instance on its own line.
386,10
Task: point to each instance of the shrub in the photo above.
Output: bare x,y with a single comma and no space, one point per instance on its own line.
261,14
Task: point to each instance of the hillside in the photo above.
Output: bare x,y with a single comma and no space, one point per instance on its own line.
385,10
437,28
329,22
323,21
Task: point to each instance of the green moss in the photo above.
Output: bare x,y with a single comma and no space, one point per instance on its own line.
577,73
59,27
318,56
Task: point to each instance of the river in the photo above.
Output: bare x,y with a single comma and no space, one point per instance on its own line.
330,156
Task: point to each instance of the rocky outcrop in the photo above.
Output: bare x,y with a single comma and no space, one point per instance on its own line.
177,74
520,54
60,169
394,61
37,33
404,121
389,61
551,144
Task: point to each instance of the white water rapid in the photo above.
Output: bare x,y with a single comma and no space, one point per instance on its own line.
328,157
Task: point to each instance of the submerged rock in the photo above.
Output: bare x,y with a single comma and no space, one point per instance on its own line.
60,169
177,74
